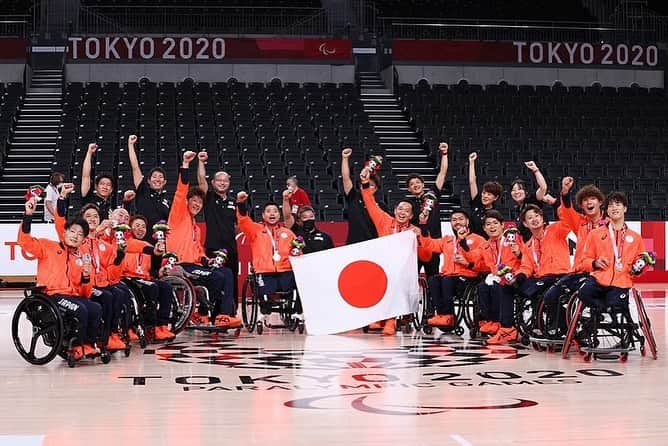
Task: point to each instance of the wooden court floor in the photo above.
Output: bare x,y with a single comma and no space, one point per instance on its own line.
283,388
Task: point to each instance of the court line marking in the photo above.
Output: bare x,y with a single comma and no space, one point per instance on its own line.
461,440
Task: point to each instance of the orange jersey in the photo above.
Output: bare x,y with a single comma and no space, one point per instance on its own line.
449,246
493,253
59,268
386,225
550,255
137,265
264,242
599,244
184,238
581,226
102,256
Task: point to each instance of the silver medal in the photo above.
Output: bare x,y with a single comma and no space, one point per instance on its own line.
276,256
618,265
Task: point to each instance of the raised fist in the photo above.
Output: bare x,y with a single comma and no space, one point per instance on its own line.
531,166
132,139
92,147
566,185
241,197
443,148
364,176
30,206
473,156
66,189
346,152
203,156
188,156
129,195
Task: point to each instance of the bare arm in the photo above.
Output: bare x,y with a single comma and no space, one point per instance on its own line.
345,170
86,169
286,209
540,180
137,176
440,178
201,171
473,181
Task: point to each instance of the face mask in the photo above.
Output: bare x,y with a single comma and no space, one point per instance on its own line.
308,225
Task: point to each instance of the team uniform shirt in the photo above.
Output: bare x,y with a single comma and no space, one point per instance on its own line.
360,226
154,205
477,215
621,247
59,267
581,226
315,240
449,246
266,243
550,255
491,254
104,204
434,220
220,215
184,238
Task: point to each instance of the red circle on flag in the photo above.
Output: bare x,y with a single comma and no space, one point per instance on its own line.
362,283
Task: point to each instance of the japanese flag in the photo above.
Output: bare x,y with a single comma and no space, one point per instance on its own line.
351,286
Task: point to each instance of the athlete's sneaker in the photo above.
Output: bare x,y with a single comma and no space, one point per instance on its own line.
162,333
225,321
77,353
504,336
375,325
390,327
490,328
442,320
115,343
199,319
89,350
132,335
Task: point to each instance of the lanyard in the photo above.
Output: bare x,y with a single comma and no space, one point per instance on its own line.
537,257
617,243
497,248
274,242
139,262
96,255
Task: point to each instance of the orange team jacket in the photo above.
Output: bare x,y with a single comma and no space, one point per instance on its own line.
550,255
136,265
581,226
262,248
59,268
184,238
599,244
386,225
486,257
448,245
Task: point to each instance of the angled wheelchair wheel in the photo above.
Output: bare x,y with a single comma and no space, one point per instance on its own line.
524,317
645,325
470,310
419,319
249,304
37,329
183,302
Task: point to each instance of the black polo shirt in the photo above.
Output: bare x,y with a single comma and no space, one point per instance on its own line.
152,204
315,240
477,214
220,215
105,205
360,226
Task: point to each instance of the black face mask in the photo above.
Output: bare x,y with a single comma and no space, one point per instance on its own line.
308,225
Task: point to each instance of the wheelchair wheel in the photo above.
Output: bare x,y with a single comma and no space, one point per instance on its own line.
183,302
419,318
524,317
37,329
645,325
249,304
470,309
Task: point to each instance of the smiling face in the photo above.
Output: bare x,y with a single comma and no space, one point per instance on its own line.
533,220
73,236
415,187
518,194
138,228
591,206
459,223
487,198
221,183
403,212
616,211
92,218
271,215
120,215
195,205
104,187
493,228
157,180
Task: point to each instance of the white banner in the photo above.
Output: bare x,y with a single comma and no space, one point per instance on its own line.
13,260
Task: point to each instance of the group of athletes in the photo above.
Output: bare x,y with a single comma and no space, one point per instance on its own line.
149,234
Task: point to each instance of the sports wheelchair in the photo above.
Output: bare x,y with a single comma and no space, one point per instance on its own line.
610,332
142,314
255,307
465,304
41,330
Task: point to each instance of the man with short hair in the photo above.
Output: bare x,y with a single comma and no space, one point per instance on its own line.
415,186
220,215
102,195
481,202
151,198
305,227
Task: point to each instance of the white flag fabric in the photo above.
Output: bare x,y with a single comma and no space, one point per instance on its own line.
352,286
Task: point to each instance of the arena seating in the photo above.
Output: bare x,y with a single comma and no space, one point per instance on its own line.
615,138
259,133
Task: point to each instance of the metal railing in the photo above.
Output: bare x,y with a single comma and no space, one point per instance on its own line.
459,29
15,25
202,19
